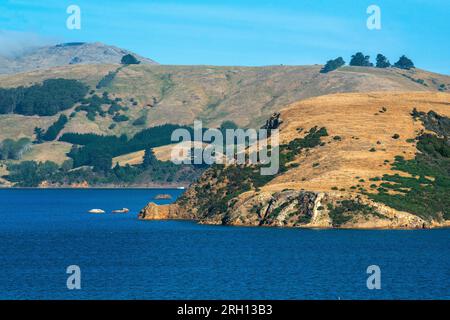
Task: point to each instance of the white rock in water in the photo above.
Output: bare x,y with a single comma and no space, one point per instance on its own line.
123,210
96,211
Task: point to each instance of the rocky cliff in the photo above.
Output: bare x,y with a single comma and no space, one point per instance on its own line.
292,208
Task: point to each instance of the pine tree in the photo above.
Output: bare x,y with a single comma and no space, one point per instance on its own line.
39,133
149,159
129,59
382,61
360,60
404,63
332,65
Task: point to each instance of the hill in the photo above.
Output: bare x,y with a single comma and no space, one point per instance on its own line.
72,53
380,160
180,94
125,100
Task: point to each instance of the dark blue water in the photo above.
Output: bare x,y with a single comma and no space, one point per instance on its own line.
44,231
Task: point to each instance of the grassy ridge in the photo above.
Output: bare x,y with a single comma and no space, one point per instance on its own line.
426,192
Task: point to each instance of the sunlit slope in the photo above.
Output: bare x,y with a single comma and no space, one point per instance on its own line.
362,141
246,95
352,160
181,94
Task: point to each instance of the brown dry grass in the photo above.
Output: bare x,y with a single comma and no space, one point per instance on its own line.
133,158
16,126
89,74
53,151
163,153
356,119
246,95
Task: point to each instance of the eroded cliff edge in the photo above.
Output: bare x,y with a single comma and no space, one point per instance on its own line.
346,161
292,208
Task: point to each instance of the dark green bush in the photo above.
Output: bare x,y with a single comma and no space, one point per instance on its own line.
359,59
332,65
404,63
141,121
129,59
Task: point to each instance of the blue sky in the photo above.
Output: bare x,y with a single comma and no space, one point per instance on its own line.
239,32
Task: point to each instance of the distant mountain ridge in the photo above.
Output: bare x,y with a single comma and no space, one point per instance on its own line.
64,54
163,94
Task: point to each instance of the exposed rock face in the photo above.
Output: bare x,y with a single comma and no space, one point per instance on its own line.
163,196
163,212
287,208
83,184
47,184
434,122
291,208
44,184
393,219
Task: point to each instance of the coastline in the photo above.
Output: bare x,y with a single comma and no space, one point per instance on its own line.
174,211
163,217
107,187
319,228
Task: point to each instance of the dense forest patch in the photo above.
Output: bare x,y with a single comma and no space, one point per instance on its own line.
98,151
32,173
46,99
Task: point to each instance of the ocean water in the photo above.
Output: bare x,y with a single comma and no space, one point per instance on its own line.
42,232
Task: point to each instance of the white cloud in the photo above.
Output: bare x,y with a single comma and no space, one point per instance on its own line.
14,43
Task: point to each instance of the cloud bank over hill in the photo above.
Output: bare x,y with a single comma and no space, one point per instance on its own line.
16,43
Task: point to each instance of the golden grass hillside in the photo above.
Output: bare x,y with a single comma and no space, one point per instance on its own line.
179,151
55,151
366,147
327,184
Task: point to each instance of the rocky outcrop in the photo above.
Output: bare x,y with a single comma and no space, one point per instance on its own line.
162,212
288,208
96,211
434,122
83,185
292,208
47,184
163,196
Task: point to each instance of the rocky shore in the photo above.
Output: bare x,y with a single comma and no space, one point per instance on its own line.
300,209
